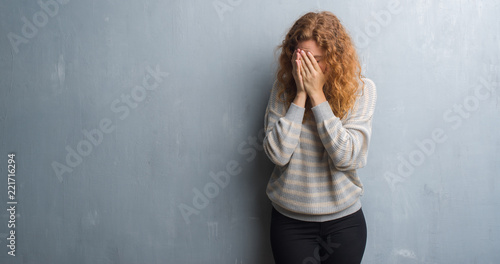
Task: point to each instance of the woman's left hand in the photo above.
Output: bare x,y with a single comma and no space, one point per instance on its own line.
312,76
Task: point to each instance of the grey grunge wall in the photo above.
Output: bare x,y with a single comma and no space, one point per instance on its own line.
136,127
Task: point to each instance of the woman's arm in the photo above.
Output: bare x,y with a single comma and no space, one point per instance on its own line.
347,145
282,132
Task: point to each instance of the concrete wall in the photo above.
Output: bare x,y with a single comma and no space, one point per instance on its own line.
136,128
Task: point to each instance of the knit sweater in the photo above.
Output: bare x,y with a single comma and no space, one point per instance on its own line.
314,178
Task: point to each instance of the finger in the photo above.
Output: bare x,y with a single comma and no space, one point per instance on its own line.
304,69
296,67
307,63
297,72
301,74
297,59
314,62
301,68
300,59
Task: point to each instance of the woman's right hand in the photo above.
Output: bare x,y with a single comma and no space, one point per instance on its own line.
296,61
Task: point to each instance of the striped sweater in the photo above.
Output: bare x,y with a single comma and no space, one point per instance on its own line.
315,175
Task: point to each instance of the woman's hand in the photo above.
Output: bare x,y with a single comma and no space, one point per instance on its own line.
296,62
312,77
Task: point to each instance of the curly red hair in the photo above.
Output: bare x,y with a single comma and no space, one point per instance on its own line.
343,76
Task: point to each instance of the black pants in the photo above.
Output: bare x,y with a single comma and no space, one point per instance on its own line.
339,241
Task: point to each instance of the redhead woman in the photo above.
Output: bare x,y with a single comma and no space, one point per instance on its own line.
318,125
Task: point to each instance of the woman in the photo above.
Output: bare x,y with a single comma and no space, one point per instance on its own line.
318,127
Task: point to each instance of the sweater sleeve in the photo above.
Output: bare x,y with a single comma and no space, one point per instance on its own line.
347,144
282,131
